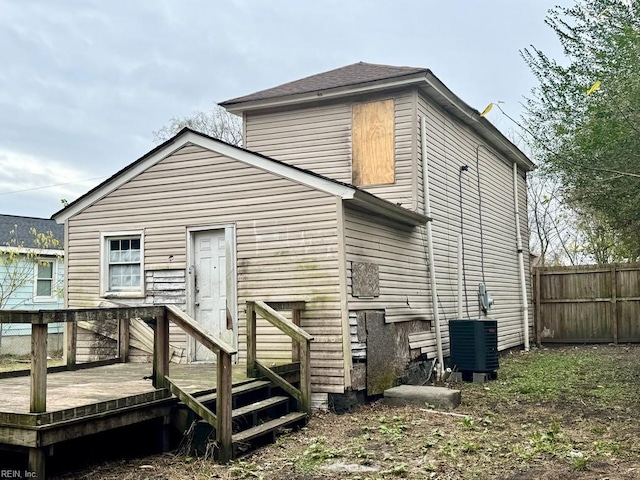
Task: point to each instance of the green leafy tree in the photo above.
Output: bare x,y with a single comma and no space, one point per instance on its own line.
217,123
584,117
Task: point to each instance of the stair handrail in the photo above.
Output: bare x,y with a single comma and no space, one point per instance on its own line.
223,416
297,334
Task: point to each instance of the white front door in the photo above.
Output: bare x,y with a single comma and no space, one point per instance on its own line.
210,287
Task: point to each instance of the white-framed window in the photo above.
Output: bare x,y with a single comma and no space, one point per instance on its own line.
44,282
122,264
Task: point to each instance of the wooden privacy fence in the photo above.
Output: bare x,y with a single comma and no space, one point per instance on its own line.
587,304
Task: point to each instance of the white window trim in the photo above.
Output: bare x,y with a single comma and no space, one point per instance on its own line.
54,280
104,265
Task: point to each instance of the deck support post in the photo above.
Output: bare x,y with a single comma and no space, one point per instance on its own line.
39,333
161,350
304,348
295,318
123,339
223,407
37,462
70,340
251,340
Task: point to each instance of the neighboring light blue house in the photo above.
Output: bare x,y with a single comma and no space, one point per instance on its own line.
37,280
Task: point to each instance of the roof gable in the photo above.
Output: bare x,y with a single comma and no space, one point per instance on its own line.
354,74
360,78
284,170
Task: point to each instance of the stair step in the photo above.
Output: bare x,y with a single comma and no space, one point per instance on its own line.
259,406
244,388
284,421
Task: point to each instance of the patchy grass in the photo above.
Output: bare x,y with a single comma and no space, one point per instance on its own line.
11,363
553,413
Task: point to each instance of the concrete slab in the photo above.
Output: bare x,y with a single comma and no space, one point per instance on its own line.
439,397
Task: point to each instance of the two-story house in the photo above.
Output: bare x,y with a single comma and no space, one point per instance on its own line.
325,204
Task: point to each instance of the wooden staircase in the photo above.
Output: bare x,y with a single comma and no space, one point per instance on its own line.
260,411
245,414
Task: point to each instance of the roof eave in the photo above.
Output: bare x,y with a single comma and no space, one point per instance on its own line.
286,100
443,96
362,200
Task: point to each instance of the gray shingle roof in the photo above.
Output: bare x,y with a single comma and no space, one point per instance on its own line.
22,228
354,74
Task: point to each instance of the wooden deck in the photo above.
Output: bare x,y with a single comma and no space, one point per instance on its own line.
50,407
92,400
83,389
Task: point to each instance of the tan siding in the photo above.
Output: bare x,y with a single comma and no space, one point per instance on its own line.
318,138
399,253
286,243
452,145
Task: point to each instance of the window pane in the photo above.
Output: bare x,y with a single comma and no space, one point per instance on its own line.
124,276
45,270
125,267
43,288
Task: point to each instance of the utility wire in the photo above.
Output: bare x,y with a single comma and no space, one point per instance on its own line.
50,186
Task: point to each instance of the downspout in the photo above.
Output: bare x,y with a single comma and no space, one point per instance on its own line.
460,267
523,284
432,267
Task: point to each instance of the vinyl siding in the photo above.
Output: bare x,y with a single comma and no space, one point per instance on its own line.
286,237
23,298
401,259
318,138
452,145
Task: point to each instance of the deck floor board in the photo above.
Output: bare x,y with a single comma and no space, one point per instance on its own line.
71,389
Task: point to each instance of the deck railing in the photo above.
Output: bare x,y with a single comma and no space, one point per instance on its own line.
301,349
222,419
158,318
40,319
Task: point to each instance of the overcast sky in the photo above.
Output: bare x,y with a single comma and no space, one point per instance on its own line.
83,84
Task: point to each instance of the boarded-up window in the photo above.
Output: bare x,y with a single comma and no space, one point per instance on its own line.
372,137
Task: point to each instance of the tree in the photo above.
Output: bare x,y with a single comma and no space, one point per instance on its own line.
217,123
584,117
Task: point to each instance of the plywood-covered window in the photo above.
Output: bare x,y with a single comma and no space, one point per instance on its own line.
372,143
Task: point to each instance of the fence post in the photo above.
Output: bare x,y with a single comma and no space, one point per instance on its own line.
614,304
251,340
538,309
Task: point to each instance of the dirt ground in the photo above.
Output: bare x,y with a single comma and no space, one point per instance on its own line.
569,412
